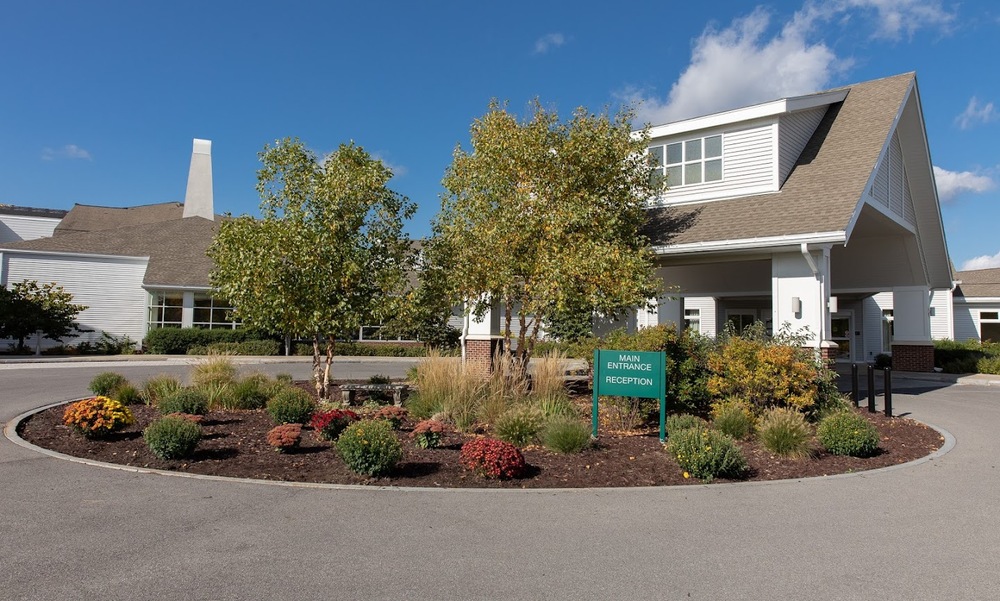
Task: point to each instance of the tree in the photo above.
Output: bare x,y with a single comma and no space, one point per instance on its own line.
545,216
328,254
28,307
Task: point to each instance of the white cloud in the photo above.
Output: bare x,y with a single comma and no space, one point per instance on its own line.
69,151
548,41
745,63
952,183
975,113
982,262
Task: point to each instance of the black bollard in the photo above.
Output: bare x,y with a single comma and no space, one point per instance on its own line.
855,386
887,384
871,388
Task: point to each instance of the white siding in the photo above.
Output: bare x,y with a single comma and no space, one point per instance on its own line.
872,324
942,324
748,164
794,132
110,288
966,322
14,228
706,308
891,189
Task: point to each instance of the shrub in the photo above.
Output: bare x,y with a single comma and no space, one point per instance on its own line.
284,378
883,361
784,431
291,406
683,421
284,437
519,426
369,447
763,373
551,407
707,454
566,435
177,341
172,437
184,400
127,394
628,413
251,392
105,383
329,424
391,414
988,365
492,458
427,434
445,386
733,417
848,433
218,394
97,416
159,387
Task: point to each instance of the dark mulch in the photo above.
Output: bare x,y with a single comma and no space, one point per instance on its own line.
234,445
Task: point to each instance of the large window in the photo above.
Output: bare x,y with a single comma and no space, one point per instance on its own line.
692,319
689,162
989,326
166,309
210,313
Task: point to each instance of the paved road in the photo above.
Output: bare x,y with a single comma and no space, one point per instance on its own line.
930,531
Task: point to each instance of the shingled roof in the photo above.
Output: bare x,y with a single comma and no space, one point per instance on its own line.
90,218
823,189
31,212
175,247
978,283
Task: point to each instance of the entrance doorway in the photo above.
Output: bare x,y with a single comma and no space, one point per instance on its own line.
842,332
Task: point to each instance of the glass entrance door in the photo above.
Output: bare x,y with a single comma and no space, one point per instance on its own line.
841,332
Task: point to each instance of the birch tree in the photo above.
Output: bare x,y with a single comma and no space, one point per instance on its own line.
545,216
328,254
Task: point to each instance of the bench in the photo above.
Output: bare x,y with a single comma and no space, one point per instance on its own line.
349,391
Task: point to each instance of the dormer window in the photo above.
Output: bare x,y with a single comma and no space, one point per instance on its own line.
688,162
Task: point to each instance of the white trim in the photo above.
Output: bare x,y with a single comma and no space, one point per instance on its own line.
63,253
964,300
173,287
771,242
710,196
758,111
897,219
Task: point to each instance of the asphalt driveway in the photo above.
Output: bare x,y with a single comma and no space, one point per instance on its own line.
927,531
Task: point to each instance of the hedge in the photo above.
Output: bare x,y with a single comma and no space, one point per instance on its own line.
177,341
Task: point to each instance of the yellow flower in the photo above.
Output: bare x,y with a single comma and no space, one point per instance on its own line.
687,475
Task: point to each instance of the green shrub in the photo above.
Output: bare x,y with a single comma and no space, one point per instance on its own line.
291,406
127,394
628,413
172,437
707,454
519,426
784,432
369,447
159,387
105,383
848,433
883,361
177,341
184,400
683,421
988,365
554,406
764,373
219,395
733,417
251,392
566,435
284,378
422,406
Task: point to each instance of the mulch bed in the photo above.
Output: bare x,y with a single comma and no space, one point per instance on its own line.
234,445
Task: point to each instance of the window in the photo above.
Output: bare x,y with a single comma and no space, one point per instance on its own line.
165,309
989,326
692,319
212,314
740,319
689,162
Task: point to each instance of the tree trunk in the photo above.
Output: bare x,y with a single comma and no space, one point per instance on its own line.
330,342
317,373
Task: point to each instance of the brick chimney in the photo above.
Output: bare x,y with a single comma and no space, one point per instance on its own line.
198,200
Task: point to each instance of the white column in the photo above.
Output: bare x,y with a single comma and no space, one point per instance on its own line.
911,321
800,294
187,310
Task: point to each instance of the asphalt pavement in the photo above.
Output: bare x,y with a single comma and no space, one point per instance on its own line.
929,530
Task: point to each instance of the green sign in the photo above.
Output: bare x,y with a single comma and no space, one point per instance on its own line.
639,374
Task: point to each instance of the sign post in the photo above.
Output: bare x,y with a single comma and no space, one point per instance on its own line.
639,374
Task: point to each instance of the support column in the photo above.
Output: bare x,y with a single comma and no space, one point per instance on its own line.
671,311
912,348
481,341
800,296
187,310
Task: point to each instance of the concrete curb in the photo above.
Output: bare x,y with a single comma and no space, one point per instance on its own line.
10,432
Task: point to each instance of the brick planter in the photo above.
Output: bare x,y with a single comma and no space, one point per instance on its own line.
913,357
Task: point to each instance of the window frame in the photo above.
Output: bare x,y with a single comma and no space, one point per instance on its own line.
685,165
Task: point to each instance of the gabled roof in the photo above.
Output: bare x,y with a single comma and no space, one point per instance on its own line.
90,218
176,248
824,188
31,212
978,283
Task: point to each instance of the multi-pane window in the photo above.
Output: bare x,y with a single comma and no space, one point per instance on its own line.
210,313
989,326
689,162
165,309
692,319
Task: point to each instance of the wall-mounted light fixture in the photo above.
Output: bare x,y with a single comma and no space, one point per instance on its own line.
796,304
833,304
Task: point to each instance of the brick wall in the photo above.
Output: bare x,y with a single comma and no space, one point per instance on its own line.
479,355
913,357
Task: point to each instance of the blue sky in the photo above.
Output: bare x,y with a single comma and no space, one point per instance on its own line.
101,100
